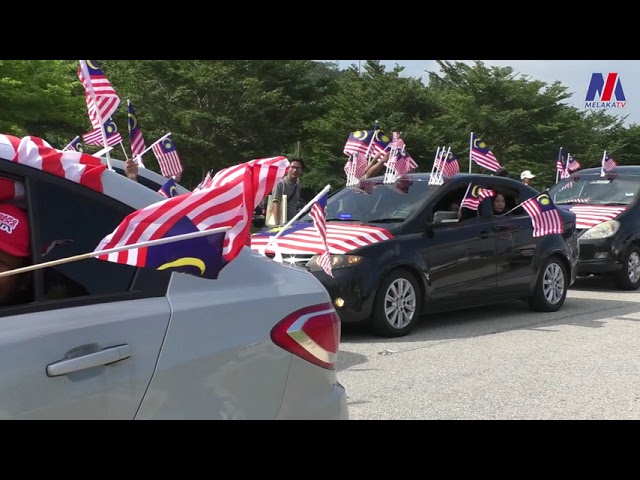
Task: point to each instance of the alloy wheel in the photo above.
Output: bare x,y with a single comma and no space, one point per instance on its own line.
400,303
553,283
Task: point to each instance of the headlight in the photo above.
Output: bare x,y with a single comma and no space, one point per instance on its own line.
602,230
337,261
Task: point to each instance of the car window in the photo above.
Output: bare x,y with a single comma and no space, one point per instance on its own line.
596,190
68,223
378,201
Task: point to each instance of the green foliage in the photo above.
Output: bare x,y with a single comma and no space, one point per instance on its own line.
223,112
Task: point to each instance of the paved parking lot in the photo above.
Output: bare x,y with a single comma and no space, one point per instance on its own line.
504,362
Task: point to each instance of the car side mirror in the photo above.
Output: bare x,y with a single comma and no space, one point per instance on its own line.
443,217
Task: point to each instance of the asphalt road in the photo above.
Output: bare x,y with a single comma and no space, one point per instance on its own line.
504,362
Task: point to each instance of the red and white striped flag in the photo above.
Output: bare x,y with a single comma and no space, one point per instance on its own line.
263,181
544,215
102,100
317,213
206,182
78,167
167,156
94,137
482,154
225,205
8,146
608,164
474,196
355,168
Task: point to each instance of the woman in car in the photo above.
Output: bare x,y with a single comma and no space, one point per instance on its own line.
499,204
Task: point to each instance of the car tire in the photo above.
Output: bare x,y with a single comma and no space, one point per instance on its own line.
551,287
396,308
628,278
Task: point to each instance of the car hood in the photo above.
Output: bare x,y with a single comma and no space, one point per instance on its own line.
302,237
588,216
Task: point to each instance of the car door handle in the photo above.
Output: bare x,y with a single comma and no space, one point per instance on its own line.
484,234
103,357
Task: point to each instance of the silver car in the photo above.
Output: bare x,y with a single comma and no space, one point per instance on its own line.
108,341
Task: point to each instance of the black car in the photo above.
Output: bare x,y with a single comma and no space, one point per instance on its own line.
608,221
398,251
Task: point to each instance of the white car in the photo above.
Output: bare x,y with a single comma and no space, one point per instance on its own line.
102,340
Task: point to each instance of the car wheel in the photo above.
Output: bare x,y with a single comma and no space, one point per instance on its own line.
551,288
628,278
396,308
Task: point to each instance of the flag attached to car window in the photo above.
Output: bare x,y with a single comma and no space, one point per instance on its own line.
544,215
475,194
229,204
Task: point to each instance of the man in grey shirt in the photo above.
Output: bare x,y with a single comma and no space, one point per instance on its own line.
289,186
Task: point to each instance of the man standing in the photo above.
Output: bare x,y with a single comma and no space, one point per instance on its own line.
527,177
289,186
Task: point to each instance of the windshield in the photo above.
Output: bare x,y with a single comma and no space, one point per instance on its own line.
595,190
372,201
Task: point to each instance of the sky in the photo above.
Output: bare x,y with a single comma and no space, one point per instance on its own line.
573,74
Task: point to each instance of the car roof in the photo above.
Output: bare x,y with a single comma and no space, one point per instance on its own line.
620,169
469,177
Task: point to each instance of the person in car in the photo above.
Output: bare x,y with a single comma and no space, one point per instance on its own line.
14,253
376,164
131,170
499,204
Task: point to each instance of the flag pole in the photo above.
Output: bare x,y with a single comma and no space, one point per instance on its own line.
604,155
559,158
84,256
298,215
470,151
150,146
124,151
87,79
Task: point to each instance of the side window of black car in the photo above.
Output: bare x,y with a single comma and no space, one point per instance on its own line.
71,222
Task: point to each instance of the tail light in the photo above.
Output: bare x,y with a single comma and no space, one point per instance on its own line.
311,333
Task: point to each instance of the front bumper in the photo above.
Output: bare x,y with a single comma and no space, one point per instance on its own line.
599,256
355,287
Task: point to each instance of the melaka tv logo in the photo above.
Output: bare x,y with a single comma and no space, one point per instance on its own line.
605,92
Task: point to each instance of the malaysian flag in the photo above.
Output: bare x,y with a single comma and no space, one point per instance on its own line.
561,165
94,137
482,155
474,196
404,163
135,134
302,238
317,213
75,145
169,189
226,205
380,142
573,164
544,215
358,142
268,176
206,182
355,168
167,155
608,164
97,91
78,167
449,167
